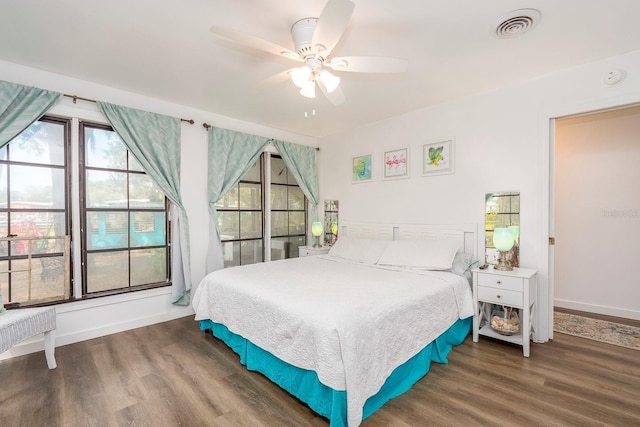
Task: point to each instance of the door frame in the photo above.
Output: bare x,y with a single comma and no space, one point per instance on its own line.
546,286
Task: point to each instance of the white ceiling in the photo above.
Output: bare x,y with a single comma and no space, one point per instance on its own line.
163,49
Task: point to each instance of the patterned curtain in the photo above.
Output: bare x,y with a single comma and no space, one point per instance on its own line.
231,155
20,106
154,140
301,162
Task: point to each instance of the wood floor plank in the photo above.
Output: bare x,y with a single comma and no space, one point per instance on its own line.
173,374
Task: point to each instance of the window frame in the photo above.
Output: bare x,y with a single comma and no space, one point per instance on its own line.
265,184
84,251
67,210
239,210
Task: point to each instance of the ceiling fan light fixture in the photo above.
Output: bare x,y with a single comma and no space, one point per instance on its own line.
330,81
301,76
309,90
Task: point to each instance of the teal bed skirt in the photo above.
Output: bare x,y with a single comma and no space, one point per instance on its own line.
330,403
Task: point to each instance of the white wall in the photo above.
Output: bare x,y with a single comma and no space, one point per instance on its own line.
502,143
82,320
597,212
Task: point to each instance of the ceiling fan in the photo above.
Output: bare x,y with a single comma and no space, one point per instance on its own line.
314,40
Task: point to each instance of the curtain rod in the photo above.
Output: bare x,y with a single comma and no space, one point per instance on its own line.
76,98
207,126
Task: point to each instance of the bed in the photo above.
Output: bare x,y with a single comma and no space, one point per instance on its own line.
347,331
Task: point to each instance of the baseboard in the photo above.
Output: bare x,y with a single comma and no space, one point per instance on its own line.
598,309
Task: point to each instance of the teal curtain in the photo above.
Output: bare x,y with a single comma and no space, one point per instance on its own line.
20,106
301,162
231,155
154,140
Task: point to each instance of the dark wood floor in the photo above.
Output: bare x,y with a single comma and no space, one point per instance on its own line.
172,374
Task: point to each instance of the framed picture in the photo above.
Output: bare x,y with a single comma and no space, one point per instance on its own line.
396,164
438,158
362,168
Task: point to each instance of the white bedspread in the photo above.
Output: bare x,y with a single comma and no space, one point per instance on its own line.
352,324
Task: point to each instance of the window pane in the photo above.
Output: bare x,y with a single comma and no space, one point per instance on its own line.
296,199
279,223
278,197
47,280
229,200
147,229
148,266
253,174
279,248
42,143
4,169
231,253
104,149
250,225
144,193
229,225
106,189
250,196
134,165
251,252
19,283
36,188
4,281
296,222
107,230
278,171
4,230
295,243
32,224
107,270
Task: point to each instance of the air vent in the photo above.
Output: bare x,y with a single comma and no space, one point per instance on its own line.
517,22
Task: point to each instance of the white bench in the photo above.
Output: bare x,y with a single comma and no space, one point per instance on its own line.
18,325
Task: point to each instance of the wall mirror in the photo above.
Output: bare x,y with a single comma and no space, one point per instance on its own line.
502,210
330,221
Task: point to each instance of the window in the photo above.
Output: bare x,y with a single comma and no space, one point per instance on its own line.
125,246
241,219
34,204
288,212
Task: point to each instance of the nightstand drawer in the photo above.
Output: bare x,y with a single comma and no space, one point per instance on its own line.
501,282
311,250
500,296
304,252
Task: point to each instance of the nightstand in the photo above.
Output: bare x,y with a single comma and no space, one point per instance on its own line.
515,289
310,250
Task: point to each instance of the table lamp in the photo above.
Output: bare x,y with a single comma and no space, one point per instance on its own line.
503,240
316,230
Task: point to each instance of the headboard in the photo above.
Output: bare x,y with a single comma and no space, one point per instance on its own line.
463,234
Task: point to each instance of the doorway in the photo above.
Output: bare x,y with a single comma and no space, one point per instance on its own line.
596,212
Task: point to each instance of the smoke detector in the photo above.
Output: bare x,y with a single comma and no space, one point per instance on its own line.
517,22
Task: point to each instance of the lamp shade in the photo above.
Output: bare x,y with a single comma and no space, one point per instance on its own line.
301,76
316,229
503,239
334,228
329,80
309,90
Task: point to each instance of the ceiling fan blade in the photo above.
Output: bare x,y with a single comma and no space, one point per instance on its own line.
255,43
368,64
331,25
336,97
275,79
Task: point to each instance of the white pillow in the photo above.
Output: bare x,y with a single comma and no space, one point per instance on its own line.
420,254
360,250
